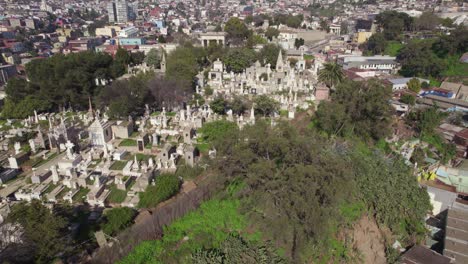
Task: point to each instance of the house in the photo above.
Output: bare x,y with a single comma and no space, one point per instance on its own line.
386,64
456,177
7,72
402,83
460,90
422,255
456,235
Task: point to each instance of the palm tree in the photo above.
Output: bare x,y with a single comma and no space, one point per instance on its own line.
331,74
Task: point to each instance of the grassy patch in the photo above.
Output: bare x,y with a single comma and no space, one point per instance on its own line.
39,161
62,193
203,147
50,188
116,195
167,185
187,172
142,157
80,196
455,67
118,165
128,142
351,212
393,48
206,227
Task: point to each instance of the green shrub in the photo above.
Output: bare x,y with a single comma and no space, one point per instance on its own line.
117,219
167,185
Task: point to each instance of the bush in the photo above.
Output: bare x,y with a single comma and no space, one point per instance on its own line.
167,185
117,219
217,130
408,99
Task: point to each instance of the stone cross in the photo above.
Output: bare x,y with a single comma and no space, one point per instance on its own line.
69,145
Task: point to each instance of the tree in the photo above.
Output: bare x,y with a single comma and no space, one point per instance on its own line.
324,25
123,56
218,105
418,60
166,186
266,105
359,109
427,120
248,19
238,105
44,232
408,99
153,58
331,74
169,93
126,97
298,43
61,80
393,23
447,22
182,64
376,44
137,57
269,54
117,219
161,39
414,85
271,33
236,30
238,59
427,21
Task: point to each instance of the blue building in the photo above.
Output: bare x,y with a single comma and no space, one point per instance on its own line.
132,41
159,23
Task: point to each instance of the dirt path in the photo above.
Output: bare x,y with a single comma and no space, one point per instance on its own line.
368,239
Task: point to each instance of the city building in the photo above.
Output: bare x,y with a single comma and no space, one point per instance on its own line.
118,11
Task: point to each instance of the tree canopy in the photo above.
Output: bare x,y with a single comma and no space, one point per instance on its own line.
236,29
44,232
331,74
357,108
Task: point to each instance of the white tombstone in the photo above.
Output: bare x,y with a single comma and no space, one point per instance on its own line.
69,145
32,144
97,183
135,165
17,147
229,115
55,176
150,162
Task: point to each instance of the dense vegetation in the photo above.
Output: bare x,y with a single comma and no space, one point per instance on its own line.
117,219
298,190
357,108
42,233
436,56
166,185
